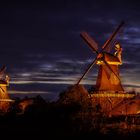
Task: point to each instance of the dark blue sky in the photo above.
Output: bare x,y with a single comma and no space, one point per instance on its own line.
44,53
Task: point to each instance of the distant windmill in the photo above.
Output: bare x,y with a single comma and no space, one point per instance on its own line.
108,75
4,97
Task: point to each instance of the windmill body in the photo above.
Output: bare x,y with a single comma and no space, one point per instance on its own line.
108,80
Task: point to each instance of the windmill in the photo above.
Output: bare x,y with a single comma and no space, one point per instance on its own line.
108,84
4,97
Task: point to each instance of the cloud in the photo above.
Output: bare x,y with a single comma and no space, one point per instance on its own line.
27,92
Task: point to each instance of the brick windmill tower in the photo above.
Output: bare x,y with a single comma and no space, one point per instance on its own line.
4,97
108,91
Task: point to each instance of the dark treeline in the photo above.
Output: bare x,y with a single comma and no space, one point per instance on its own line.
71,116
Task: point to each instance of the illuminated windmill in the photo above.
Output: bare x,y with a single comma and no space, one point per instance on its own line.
108,75
108,84
4,97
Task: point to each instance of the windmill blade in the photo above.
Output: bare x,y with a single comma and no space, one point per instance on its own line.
112,36
2,69
87,70
111,70
2,89
109,47
91,43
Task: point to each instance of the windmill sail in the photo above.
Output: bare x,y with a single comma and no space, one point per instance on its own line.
91,43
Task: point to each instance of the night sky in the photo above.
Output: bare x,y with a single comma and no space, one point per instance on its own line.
41,46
